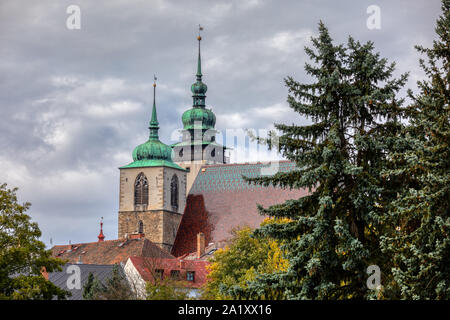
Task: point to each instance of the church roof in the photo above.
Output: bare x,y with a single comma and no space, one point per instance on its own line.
108,252
220,200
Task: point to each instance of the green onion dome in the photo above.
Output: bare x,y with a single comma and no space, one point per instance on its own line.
195,115
198,112
199,88
153,149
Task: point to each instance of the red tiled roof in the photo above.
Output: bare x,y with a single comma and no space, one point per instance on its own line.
108,252
209,251
146,267
221,200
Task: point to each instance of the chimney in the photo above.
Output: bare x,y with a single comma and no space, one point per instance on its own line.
200,244
44,273
137,236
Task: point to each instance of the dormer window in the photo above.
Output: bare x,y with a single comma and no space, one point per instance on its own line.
190,276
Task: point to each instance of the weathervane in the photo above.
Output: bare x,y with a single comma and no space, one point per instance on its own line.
200,28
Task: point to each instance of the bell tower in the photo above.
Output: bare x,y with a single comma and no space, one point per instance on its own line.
198,146
152,191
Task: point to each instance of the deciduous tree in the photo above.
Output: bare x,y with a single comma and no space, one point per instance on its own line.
22,254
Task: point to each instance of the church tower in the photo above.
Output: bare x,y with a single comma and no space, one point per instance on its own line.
152,191
198,146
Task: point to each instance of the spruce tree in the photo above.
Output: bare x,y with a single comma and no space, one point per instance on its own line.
334,230
420,241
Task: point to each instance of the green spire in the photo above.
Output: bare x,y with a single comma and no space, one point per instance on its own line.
154,125
153,153
199,88
199,61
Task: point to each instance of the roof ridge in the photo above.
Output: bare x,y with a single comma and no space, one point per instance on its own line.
92,264
81,243
156,246
242,163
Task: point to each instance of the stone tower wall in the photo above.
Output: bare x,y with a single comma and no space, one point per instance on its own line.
160,220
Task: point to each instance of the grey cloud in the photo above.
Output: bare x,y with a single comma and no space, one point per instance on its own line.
75,103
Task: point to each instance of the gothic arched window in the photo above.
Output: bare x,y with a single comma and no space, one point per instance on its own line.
174,192
140,227
141,190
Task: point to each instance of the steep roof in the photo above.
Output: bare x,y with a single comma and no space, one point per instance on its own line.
146,267
101,272
109,252
221,200
209,251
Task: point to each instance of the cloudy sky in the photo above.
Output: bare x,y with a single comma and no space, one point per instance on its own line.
74,103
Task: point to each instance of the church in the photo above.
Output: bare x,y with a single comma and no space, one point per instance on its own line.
171,194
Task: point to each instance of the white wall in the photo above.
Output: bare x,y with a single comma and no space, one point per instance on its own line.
135,280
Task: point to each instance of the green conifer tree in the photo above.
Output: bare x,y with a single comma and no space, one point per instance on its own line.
334,232
420,241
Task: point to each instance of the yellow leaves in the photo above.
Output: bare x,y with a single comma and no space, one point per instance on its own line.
275,261
267,221
341,252
244,258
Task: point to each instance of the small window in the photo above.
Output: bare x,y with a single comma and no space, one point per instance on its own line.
175,274
188,169
141,227
159,273
190,275
213,153
181,153
174,192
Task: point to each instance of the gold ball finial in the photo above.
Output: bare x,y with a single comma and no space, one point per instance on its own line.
154,84
199,38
